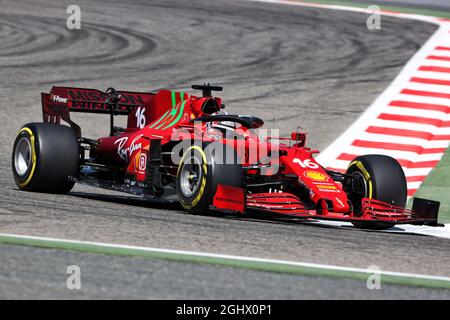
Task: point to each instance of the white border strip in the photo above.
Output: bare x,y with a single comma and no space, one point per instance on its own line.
230,257
338,146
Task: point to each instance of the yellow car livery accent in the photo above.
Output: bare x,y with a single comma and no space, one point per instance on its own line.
366,174
33,156
205,170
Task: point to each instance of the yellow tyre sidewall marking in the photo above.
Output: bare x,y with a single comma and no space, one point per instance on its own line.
205,170
365,173
33,156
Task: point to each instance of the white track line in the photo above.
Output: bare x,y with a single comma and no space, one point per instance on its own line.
439,232
229,257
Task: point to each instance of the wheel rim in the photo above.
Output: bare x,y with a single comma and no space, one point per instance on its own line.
190,177
362,182
22,156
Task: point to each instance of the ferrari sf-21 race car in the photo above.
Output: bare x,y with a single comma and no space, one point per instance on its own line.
187,149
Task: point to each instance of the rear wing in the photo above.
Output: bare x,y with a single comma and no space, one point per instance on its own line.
58,104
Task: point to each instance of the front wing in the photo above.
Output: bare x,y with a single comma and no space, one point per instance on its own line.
232,199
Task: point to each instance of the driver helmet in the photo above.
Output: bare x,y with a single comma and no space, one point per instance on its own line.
223,125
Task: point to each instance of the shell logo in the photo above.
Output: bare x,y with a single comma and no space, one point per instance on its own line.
316,175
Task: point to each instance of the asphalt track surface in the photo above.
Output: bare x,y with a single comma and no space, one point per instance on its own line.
30,273
314,68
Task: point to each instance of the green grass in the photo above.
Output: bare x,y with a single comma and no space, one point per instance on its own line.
427,12
437,187
276,267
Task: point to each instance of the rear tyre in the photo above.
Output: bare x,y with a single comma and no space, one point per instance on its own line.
201,170
379,177
45,158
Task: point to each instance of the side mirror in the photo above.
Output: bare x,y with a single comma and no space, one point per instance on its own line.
299,138
255,121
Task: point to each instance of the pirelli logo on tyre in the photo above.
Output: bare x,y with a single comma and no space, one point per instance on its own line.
315,175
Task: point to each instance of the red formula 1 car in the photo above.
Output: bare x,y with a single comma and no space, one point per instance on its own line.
186,149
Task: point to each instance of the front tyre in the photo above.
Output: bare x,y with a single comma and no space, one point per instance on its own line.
378,177
201,170
45,158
